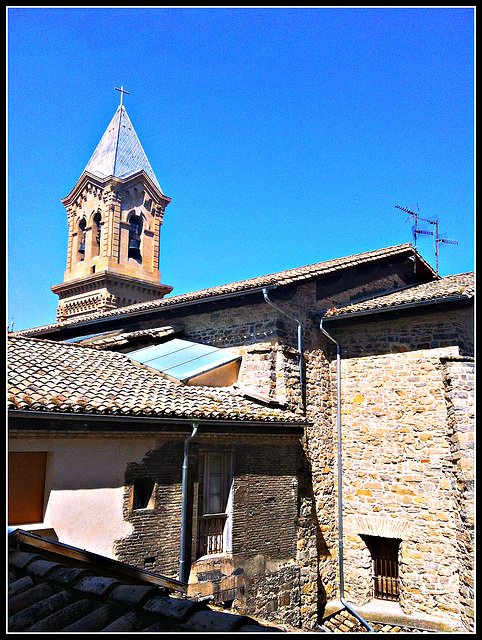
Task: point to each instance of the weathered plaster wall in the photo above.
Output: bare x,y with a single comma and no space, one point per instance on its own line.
85,486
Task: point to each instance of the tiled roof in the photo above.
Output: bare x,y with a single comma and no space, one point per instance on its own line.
55,377
119,152
290,276
51,591
344,622
121,338
457,286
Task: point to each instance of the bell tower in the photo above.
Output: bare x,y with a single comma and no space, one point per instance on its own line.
115,213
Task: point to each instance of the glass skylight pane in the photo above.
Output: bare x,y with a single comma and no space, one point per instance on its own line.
182,359
91,335
197,366
167,352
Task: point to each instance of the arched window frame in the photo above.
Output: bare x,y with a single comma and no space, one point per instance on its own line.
96,226
135,236
81,235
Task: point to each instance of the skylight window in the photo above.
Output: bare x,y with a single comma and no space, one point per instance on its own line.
89,336
183,360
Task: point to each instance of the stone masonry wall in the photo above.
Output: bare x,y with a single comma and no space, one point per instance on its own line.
319,549
397,452
398,477
459,393
428,331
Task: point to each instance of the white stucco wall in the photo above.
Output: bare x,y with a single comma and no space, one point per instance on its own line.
85,486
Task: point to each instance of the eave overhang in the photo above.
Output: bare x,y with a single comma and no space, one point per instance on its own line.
94,423
368,315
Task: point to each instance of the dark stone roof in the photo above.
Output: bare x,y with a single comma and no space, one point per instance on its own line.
120,338
119,152
49,590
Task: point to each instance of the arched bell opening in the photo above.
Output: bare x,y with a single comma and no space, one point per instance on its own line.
135,235
96,234
81,240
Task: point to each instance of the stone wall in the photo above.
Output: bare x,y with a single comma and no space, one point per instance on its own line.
459,394
437,330
398,477
398,448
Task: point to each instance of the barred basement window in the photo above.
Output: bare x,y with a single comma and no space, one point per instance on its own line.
384,552
143,493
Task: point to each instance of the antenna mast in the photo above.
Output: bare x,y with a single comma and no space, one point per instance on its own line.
417,231
439,240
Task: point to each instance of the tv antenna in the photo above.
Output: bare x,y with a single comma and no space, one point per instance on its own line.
441,240
417,231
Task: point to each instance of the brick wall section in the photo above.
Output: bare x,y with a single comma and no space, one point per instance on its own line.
266,523
266,481
155,541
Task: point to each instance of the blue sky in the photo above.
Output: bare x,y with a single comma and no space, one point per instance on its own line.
284,136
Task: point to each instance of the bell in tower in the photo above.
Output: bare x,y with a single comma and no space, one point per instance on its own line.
115,213
134,238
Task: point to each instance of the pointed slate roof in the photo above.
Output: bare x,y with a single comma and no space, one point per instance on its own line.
119,152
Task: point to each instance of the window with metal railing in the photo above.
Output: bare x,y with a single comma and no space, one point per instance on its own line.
215,480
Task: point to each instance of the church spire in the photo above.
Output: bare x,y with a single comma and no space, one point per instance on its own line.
115,213
119,152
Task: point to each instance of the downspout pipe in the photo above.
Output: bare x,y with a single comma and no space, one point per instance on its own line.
340,494
182,551
265,294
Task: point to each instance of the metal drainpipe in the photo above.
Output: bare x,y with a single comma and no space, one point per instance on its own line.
265,294
182,551
340,496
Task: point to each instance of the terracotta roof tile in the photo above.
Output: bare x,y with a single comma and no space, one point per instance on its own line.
344,622
68,378
456,286
276,279
49,604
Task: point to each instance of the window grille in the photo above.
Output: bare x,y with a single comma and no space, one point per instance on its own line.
385,577
210,534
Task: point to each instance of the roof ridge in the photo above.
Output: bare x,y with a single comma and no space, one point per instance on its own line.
237,285
120,108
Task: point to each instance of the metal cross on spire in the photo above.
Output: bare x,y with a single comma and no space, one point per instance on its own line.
122,90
